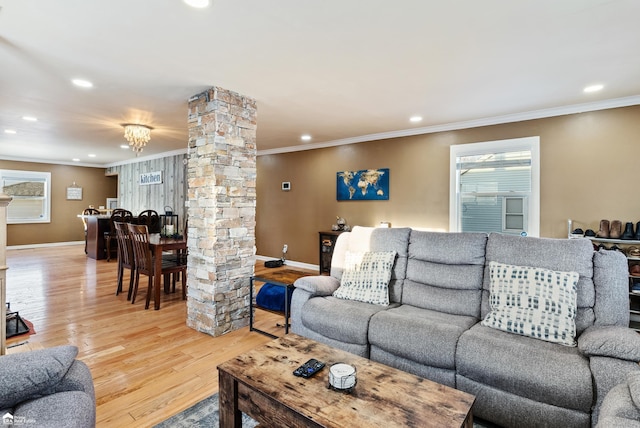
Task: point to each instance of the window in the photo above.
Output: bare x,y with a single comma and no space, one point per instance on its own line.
31,192
495,187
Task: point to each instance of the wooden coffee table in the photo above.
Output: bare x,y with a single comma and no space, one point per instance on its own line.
260,383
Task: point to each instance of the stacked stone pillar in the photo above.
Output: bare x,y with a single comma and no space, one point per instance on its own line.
221,207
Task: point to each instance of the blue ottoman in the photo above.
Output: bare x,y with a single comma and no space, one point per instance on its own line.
271,297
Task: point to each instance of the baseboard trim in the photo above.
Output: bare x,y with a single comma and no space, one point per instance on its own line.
49,244
292,263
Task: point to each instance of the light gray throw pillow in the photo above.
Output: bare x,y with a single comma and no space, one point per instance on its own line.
534,302
366,277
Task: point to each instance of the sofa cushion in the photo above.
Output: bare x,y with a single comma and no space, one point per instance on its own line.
343,320
445,271
421,335
534,302
366,277
533,369
63,409
33,374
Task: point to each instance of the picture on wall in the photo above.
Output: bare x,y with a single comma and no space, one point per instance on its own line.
363,185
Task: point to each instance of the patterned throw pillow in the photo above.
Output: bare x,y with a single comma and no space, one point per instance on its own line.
366,277
533,302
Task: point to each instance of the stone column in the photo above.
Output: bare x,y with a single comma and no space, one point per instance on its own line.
221,207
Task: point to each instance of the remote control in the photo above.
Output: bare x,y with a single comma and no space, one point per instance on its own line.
309,368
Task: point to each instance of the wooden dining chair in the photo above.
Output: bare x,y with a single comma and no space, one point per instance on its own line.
151,219
87,211
126,258
118,215
144,263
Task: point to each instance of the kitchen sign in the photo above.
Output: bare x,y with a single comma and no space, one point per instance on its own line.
151,178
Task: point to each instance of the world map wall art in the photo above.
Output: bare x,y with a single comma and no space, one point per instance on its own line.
364,185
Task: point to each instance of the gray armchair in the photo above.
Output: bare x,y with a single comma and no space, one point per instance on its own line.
47,388
621,406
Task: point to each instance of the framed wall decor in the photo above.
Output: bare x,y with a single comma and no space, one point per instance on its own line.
74,193
112,203
363,185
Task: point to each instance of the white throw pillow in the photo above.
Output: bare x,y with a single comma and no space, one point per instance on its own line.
366,277
534,302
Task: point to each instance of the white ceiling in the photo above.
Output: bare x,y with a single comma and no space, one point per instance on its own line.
336,69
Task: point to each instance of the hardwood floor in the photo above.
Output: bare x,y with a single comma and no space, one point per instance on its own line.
147,365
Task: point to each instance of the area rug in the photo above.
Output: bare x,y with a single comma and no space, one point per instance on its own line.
205,414
202,415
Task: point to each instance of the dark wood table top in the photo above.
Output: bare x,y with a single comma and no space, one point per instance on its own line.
382,397
281,276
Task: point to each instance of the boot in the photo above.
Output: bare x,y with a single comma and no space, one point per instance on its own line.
637,237
628,231
604,229
615,229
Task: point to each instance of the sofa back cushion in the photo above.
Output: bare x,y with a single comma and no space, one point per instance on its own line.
445,272
363,239
567,255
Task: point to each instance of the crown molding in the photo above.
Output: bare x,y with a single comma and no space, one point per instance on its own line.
476,123
49,161
146,158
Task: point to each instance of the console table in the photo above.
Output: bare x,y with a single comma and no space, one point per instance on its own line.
280,277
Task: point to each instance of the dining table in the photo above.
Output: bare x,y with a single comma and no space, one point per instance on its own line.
159,244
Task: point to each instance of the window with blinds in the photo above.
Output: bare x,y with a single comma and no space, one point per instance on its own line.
493,187
30,192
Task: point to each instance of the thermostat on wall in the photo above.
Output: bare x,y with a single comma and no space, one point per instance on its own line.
286,185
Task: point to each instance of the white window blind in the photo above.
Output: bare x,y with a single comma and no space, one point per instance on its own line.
30,192
492,186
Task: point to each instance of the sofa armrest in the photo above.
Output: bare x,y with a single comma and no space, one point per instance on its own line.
320,285
610,341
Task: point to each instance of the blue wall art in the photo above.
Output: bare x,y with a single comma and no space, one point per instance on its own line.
364,185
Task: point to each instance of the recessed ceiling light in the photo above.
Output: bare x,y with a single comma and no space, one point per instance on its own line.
197,3
415,119
75,160
10,131
82,83
306,137
124,146
593,88
30,118
91,155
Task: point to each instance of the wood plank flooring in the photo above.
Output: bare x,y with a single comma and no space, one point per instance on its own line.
147,365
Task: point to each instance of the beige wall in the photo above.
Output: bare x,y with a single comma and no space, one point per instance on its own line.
588,172
64,226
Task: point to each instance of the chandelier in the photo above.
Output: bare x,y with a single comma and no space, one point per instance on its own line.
137,135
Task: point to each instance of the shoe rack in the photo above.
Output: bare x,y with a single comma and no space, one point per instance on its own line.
625,246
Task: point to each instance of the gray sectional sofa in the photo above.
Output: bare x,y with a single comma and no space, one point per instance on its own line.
47,388
439,294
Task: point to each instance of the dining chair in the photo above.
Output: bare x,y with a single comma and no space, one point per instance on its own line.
118,215
125,257
151,219
144,263
87,211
